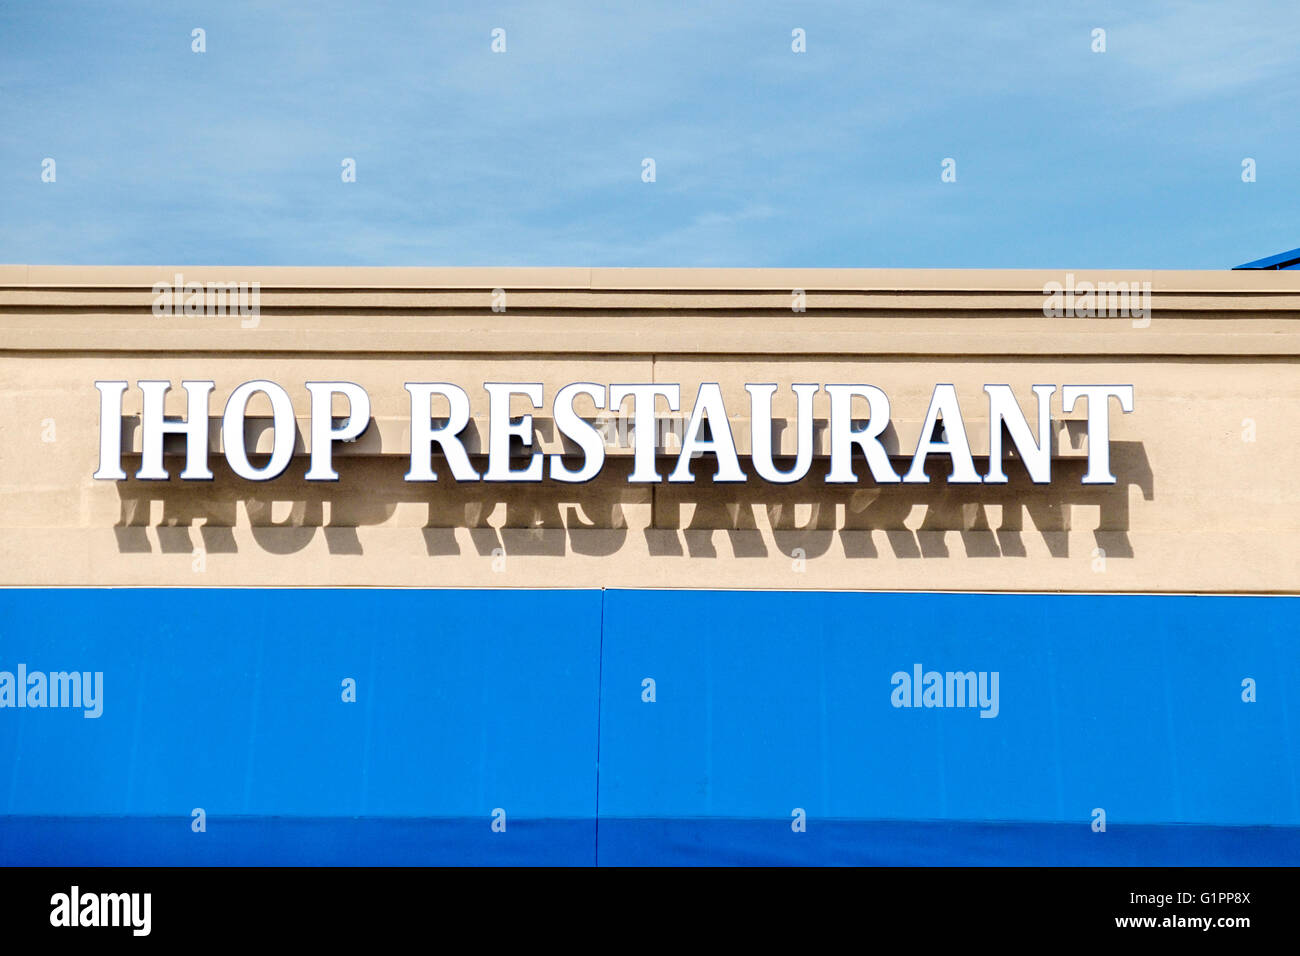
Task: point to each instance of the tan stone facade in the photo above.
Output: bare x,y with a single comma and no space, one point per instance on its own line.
1206,463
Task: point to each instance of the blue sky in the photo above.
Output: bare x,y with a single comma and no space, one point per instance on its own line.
1065,158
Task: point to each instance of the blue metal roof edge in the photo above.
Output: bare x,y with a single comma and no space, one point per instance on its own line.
1283,260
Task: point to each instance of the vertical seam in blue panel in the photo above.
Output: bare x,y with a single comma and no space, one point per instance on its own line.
600,684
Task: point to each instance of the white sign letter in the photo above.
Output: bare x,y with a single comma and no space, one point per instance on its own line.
1036,456
844,437
323,432
284,431
1098,397
153,425
943,403
761,432
110,431
501,428
643,423
423,434
709,401
583,433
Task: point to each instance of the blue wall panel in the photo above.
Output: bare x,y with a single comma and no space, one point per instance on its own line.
767,702
230,700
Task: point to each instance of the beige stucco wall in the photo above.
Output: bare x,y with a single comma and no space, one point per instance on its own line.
1198,506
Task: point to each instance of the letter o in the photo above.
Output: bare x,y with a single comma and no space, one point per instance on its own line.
284,427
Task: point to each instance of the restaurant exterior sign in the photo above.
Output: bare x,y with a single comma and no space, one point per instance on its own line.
708,431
